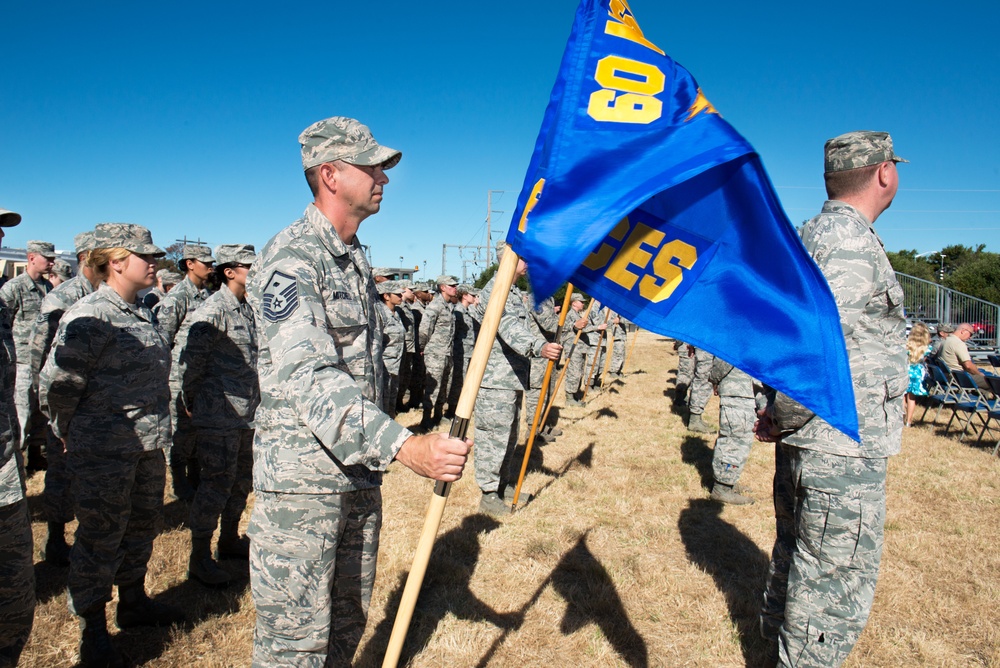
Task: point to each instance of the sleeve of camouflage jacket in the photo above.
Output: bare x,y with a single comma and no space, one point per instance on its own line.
168,318
43,333
11,298
512,331
428,322
314,374
196,340
546,317
63,380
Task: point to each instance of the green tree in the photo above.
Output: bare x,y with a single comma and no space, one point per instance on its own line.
169,261
979,277
907,262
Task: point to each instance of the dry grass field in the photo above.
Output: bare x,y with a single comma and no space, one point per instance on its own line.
620,559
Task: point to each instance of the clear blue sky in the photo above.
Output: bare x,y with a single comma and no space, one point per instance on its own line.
183,116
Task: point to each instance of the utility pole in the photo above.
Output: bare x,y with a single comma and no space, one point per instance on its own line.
489,222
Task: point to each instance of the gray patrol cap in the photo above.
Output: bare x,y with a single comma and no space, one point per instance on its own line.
854,150
577,297
445,279
169,277
43,248
234,254
389,288
946,328
342,138
9,218
85,241
421,286
62,270
382,272
464,288
501,247
196,252
135,238
405,284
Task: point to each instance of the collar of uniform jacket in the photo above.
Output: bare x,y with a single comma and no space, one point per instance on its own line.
112,296
845,209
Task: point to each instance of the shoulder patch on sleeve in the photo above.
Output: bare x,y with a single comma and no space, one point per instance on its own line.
280,298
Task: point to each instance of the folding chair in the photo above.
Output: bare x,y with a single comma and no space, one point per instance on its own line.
970,400
994,361
993,414
942,391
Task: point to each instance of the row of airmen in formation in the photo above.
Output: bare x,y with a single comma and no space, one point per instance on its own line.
86,353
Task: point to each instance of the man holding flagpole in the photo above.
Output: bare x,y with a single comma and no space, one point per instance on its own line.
829,489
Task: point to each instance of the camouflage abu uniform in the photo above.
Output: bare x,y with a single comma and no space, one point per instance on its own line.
104,388
171,312
215,365
498,404
393,344
829,489
701,389
582,356
405,314
464,344
737,414
23,299
685,372
620,338
322,438
17,573
437,336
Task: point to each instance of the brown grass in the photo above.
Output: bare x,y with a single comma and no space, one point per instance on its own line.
620,560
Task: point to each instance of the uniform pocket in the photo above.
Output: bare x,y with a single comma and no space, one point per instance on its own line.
829,526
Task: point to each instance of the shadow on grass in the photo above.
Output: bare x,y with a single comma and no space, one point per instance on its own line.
199,603
585,458
695,451
606,413
591,598
737,565
445,590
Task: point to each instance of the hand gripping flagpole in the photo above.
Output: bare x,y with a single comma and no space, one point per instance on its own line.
541,401
569,355
463,414
597,354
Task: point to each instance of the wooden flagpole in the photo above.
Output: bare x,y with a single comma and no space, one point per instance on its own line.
635,337
562,374
597,353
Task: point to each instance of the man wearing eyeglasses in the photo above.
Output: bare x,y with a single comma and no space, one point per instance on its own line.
955,353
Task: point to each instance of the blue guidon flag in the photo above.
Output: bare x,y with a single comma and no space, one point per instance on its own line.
642,195
280,298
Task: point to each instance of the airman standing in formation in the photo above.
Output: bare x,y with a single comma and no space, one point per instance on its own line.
215,366
544,323
404,311
57,500
171,312
464,343
60,273
165,281
105,389
22,297
737,415
581,361
393,340
498,404
17,572
323,438
437,340
701,391
619,334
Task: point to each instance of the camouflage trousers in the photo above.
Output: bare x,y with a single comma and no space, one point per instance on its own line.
17,581
701,389
459,369
618,355
829,514
119,505
32,421
390,392
57,500
538,366
497,416
225,457
416,386
405,372
312,568
580,362
732,448
436,380
184,433
685,367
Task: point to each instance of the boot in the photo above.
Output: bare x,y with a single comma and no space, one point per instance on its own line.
552,431
96,648
231,544
724,493
182,487
56,551
695,423
135,608
203,568
571,400
492,504
508,495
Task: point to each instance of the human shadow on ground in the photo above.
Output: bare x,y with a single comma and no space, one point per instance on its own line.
737,565
445,590
695,451
142,645
585,458
606,413
591,598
